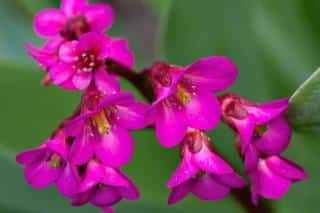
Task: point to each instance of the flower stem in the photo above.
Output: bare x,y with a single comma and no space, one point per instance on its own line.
141,81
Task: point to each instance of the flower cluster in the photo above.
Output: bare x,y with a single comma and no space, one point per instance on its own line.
83,157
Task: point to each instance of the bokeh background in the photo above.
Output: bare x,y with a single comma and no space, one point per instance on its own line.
276,45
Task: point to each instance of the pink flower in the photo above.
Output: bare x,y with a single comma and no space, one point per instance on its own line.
184,96
101,128
261,128
49,164
273,177
82,62
202,172
75,18
104,186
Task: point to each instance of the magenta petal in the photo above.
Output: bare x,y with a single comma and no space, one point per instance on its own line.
107,196
170,125
207,188
40,174
117,50
184,172
81,80
114,177
130,193
49,22
32,155
286,168
203,111
179,192
90,41
267,183
68,182
212,73
82,148
82,198
210,162
107,209
105,82
251,158
245,128
60,73
268,111
115,148
58,145
99,16
68,52
93,176
232,180
276,139
132,116
73,7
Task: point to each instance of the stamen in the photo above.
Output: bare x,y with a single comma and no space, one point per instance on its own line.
102,122
182,95
55,161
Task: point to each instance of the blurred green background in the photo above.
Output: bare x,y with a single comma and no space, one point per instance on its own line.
276,45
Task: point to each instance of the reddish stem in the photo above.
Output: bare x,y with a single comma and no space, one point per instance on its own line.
141,81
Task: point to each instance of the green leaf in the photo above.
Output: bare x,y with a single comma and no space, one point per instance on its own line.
304,108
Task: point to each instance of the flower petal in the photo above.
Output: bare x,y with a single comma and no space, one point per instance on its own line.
277,137
93,176
268,184
118,50
179,192
68,182
82,148
232,180
251,158
40,174
58,145
115,148
105,82
90,41
100,16
286,168
203,111
211,162
81,80
48,22
107,196
184,172
114,177
268,111
32,155
213,73
207,188
69,52
170,125
60,73
245,128
132,116
73,7
130,192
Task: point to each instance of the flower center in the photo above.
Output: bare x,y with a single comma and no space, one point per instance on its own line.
74,28
86,62
260,130
180,98
102,122
55,161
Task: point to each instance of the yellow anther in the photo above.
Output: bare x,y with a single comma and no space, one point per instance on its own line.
55,161
102,122
182,95
260,130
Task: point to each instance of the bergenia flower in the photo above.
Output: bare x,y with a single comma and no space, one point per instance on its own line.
202,172
102,127
185,99
273,177
82,62
261,128
75,18
49,164
104,186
